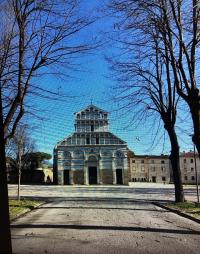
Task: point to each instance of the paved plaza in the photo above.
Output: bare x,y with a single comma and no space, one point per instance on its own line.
103,219
137,191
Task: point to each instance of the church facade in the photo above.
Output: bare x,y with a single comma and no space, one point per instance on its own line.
92,154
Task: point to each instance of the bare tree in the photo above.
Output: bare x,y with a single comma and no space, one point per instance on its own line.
36,35
146,80
178,23
20,146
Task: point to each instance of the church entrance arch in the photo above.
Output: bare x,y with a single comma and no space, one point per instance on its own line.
119,176
92,170
66,177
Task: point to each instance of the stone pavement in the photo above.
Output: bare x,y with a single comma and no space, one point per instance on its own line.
137,191
96,226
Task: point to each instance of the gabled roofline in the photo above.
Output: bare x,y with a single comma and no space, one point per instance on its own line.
91,105
117,137
71,135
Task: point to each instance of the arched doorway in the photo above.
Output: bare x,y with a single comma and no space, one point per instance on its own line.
92,170
66,177
119,176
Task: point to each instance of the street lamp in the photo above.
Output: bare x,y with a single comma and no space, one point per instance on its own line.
196,174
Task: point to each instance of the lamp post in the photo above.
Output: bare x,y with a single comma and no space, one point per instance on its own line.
196,175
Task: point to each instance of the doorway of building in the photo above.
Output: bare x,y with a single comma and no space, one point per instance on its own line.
66,177
119,176
92,175
154,179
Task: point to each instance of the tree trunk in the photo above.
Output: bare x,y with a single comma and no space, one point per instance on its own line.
194,105
19,169
5,235
175,163
19,183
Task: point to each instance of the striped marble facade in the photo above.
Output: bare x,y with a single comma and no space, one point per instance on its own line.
92,154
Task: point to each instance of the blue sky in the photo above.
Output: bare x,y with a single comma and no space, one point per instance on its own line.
91,82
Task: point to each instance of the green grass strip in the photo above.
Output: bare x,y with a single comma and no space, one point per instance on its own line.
17,208
187,207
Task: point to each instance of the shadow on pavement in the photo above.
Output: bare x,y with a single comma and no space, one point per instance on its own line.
94,199
100,208
94,227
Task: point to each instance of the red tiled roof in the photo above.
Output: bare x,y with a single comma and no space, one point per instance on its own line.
188,154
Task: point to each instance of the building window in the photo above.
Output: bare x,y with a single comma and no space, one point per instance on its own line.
186,178
184,160
162,168
133,161
191,160
162,162
92,127
142,161
119,154
163,178
153,169
152,161
192,178
97,140
142,168
153,179
133,168
192,169
87,141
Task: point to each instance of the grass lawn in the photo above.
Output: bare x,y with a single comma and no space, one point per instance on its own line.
19,207
187,207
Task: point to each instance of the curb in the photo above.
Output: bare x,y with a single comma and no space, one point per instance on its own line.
28,210
185,215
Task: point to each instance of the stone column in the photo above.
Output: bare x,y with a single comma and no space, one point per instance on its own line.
99,169
98,175
114,170
125,171
86,180
60,177
99,172
71,177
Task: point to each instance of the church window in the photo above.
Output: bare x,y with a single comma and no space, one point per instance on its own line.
119,154
87,140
